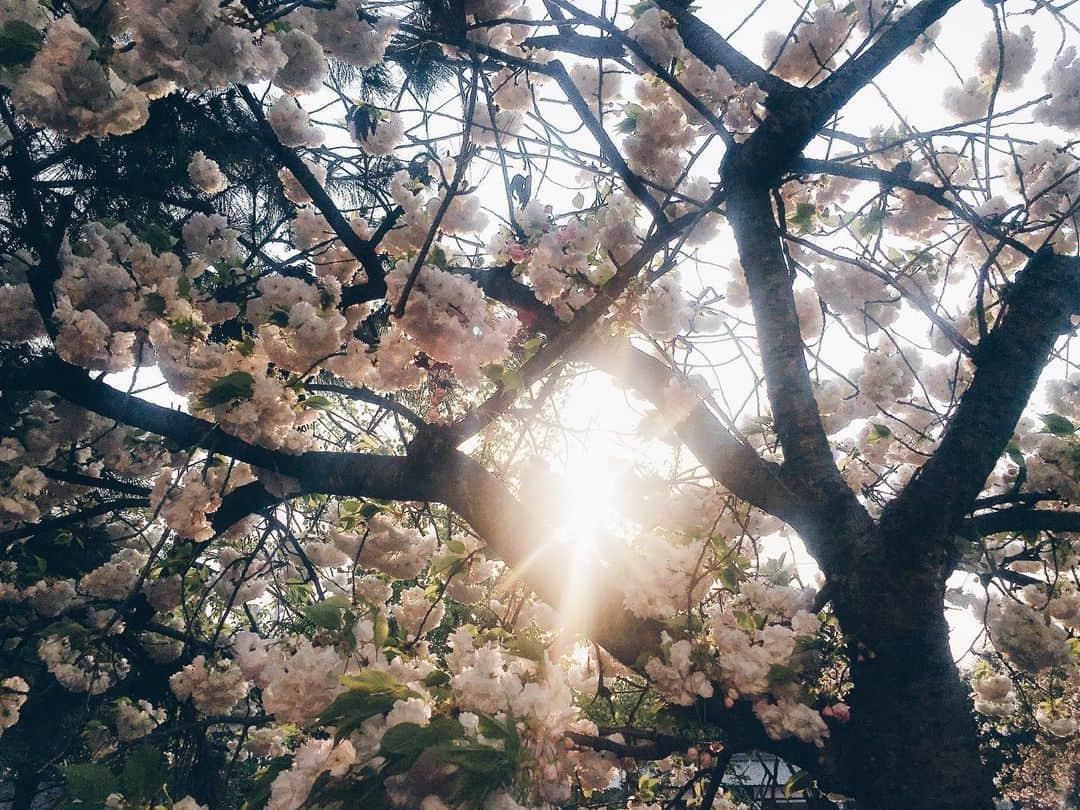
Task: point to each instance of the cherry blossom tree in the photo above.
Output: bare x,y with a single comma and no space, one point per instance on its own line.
300,299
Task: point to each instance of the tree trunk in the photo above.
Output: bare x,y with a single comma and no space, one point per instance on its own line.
26,785
912,741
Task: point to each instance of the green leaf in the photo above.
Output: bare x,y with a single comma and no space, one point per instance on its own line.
1014,452
317,402
259,793
350,709
143,773
159,239
505,731
327,613
403,744
512,381
88,784
437,677
526,647
646,787
803,217
19,43
370,509
780,675
365,793
437,257
371,692
246,345
1057,424
798,781
238,385
578,201
381,629
154,303
67,627
376,681
870,224
479,771
530,347
878,432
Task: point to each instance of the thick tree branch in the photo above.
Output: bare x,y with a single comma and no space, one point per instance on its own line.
1039,305
1023,519
938,194
578,44
712,49
434,472
770,151
96,482
633,183
569,336
71,519
857,73
37,233
360,248
808,462
730,461
249,499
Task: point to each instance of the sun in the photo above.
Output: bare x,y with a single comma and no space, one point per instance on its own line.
595,450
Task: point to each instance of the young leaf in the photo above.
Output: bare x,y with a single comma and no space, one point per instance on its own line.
1057,424
238,385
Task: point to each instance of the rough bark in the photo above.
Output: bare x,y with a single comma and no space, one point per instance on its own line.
912,739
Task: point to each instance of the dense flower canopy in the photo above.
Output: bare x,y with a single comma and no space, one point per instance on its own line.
316,317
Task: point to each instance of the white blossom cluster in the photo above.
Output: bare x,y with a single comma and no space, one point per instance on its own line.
214,687
78,670
1025,637
677,681
298,679
486,680
13,694
739,107
292,125
812,49
344,33
388,547
184,505
1062,81
660,575
971,99
448,317
135,720
314,757
206,174
188,44
51,598
383,134
115,579
787,718
67,89
416,614
17,496
994,694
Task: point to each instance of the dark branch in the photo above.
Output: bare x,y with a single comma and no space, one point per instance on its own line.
1039,305
808,461
359,247
730,461
712,49
1022,519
